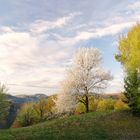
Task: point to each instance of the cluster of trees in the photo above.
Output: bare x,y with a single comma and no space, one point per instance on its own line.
34,112
101,104
129,56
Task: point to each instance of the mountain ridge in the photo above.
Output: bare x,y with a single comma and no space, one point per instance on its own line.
26,98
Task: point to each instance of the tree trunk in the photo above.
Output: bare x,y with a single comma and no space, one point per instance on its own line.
87,110
86,100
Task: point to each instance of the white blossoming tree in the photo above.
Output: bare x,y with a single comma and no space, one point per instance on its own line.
85,77
66,100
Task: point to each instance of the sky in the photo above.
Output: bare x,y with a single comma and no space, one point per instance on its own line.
38,39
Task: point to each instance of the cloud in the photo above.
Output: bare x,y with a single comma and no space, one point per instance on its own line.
98,32
41,26
35,52
116,85
134,6
38,61
32,62
16,47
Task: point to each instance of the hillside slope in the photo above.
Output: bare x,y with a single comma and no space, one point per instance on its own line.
25,98
91,126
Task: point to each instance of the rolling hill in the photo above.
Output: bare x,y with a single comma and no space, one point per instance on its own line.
110,125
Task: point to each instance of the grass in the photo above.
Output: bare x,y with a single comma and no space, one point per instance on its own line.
92,126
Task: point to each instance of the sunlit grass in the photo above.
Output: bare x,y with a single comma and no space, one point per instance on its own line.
92,126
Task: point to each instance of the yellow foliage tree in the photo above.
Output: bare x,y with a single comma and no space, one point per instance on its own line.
129,49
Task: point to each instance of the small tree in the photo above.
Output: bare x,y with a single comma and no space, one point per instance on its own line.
50,104
26,116
41,108
132,91
120,105
4,104
106,104
129,49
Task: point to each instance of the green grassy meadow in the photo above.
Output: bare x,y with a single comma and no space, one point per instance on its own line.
119,125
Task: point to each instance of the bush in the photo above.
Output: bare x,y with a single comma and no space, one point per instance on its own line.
93,104
120,105
50,104
80,108
106,104
40,109
27,115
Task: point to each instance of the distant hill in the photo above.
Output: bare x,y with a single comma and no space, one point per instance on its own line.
20,99
111,95
114,96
